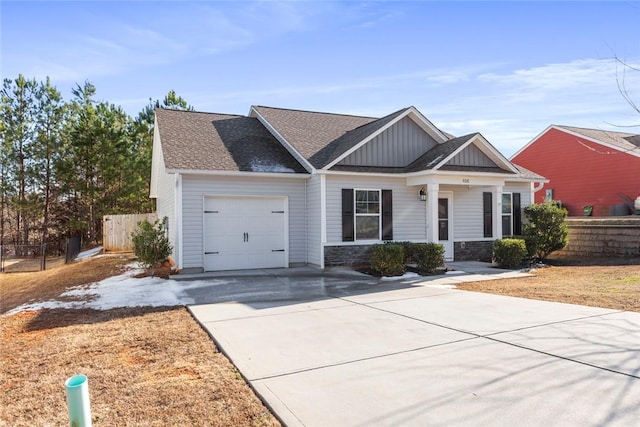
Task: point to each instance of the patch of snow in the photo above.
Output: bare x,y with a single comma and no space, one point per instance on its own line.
435,161
441,286
262,166
123,290
455,272
89,253
408,275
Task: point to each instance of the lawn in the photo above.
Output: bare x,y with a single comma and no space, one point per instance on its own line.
609,283
146,366
157,367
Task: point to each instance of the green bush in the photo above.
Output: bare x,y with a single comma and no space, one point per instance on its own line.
509,253
545,230
428,256
150,243
388,259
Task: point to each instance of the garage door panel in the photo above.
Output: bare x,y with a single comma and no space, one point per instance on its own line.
243,233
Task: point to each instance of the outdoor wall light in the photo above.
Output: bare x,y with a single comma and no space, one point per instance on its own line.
423,195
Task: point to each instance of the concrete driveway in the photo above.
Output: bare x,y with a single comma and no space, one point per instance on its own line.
356,351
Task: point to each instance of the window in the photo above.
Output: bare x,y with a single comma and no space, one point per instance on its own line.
511,215
366,215
507,214
367,210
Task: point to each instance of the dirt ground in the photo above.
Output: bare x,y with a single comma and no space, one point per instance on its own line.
608,282
145,367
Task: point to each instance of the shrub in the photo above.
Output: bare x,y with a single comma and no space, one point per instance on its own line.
428,256
150,243
509,253
388,259
545,230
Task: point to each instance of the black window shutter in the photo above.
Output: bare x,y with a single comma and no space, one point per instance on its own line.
387,215
517,215
487,213
347,215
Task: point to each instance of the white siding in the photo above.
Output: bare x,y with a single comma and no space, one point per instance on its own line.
314,228
194,188
166,204
467,208
397,146
409,212
467,212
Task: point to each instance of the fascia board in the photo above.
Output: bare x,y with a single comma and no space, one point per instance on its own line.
533,140
239,174
495,154
426,124
299,157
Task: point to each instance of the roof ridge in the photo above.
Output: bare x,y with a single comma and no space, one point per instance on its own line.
596,130
177,110
317,112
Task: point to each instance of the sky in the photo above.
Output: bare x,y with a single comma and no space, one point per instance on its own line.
505,69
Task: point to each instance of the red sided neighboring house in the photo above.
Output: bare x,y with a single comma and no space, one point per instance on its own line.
585,167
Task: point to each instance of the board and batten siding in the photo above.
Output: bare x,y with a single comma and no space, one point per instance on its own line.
409,211
195,188
397,146
472,156
314,217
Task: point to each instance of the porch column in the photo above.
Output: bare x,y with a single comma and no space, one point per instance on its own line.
432,212
496,197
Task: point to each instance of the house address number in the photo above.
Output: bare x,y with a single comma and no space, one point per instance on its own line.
465,180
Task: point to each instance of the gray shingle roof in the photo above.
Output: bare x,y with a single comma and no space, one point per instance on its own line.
220,142
625,141
319,137
431,158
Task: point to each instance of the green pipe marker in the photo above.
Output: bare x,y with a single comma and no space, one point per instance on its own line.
78,401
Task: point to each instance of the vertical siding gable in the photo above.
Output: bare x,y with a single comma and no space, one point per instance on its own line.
472,156
397,146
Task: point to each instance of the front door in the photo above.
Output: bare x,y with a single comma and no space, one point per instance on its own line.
444,225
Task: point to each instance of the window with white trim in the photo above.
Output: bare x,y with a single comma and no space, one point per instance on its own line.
507,214
367,214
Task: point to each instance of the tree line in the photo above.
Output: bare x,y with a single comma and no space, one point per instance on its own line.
65,164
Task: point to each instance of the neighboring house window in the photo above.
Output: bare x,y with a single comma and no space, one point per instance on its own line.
366,215
511,214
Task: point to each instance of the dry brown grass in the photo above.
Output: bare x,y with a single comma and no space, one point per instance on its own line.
608,286
21,288
153,367
146,367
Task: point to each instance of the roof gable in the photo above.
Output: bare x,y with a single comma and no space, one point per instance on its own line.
397,146
620,141
466,153
220,142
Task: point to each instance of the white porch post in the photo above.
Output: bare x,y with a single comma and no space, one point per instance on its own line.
432,212
496,197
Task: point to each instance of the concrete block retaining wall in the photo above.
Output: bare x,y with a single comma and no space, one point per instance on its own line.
594,237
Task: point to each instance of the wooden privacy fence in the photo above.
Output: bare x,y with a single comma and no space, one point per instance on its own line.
117,229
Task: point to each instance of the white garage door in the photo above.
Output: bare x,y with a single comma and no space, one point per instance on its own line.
243,233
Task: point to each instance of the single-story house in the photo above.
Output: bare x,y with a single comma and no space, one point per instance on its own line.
280,187
585,167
